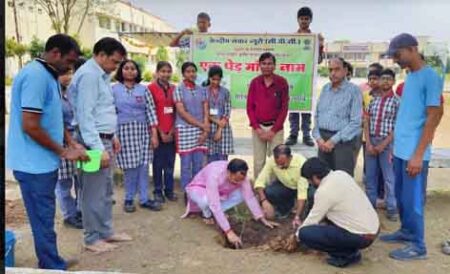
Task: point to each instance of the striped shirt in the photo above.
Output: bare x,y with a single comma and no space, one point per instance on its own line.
339,110
382,114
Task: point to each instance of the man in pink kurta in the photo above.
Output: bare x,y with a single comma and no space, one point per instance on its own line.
220,186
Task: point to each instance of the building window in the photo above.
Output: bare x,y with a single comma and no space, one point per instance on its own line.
104,22
118,26
30,8
40,11
124,26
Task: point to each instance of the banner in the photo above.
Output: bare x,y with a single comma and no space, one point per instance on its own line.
238,56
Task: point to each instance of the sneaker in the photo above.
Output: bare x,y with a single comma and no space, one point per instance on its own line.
171,197
73,222
151,205
446,247
129,207
160,198
307,140
408,253
396,237
393,217
344,261
291,140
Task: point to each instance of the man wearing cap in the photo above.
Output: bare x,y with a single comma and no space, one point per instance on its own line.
342,220
338,119
418,117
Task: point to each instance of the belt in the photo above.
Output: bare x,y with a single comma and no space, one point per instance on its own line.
107,136
267,124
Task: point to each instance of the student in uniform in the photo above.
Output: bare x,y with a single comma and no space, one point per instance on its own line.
220,139
192,123
164,155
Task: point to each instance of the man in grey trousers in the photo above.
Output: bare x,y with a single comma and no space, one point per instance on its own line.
95,113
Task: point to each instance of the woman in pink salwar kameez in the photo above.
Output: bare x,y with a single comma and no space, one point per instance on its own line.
218,187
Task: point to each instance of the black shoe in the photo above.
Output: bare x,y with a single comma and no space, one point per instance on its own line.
159,198
172,197
291,140
152,205
307,140
79,216
73,222
344,261
128,206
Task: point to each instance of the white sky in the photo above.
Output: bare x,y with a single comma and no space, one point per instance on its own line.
355,20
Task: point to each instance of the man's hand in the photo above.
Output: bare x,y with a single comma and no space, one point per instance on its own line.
187,32
296,222
234,239
261,134
328,146
105,159
269,224
116,145
414,165
269,135
269,211
74,154
370,148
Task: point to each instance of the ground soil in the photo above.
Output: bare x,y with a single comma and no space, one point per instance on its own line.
165,243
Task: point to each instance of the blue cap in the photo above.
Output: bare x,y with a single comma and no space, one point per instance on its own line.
401,41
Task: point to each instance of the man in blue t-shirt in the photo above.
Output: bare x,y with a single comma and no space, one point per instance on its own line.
417,119
35,142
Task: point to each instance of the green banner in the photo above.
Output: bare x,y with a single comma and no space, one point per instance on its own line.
238,56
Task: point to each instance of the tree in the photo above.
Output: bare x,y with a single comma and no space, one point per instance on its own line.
13,48
65,13
36,47
162,54
180,58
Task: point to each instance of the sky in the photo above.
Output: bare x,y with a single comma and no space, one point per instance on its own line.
355,20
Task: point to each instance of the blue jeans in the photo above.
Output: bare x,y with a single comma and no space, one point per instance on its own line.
38,194
217,157
164,161
376,166
68,204
294,120
410,194
336,241
136,178
191,164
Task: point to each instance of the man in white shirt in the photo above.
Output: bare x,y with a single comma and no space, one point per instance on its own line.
342,220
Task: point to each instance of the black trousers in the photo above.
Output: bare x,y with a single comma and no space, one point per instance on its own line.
334,240
281,197
342,156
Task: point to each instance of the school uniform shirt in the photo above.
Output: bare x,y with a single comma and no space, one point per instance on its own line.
382,113
67,168
163,98
135,115
339,199
220,108
36,90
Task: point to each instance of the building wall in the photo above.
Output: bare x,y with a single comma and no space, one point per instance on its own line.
104,20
